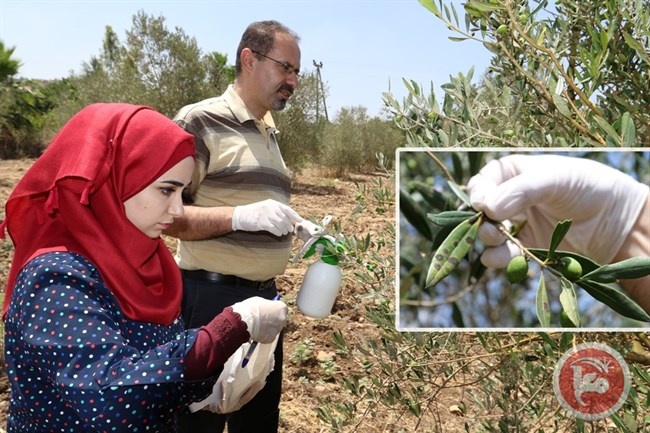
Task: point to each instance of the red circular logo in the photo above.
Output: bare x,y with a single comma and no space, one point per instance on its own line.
591,381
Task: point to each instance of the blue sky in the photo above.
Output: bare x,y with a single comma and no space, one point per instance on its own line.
366,47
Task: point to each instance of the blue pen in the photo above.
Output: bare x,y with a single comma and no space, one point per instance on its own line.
253,345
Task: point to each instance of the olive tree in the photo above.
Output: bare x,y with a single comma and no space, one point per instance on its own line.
569,73
154,66
564,73
21,104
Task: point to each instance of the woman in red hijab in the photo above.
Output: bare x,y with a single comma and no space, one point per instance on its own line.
93,335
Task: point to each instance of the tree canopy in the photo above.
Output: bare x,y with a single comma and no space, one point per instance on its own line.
564,73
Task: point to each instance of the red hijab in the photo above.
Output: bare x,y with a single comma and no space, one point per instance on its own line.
72,199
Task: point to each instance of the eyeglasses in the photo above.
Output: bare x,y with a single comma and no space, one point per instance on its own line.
288,67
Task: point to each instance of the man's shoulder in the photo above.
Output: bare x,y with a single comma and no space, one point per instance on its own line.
210,106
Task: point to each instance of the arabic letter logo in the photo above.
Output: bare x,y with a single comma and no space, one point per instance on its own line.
591,381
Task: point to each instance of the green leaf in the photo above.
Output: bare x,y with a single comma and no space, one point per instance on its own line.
450,218
569,301
432,197
637,46
483,7
628,131
430,5
634,267
541,302
559,232
492,47
615,299
452,250
605,126
457,163
457,316
459,193
548,340
414,214
561,104
620,423
475,162
566,341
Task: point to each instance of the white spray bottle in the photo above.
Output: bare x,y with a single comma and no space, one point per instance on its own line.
322,280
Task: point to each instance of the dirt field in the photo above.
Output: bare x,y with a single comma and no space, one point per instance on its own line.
307,341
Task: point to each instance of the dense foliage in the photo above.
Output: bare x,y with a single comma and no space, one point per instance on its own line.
565,73
166,69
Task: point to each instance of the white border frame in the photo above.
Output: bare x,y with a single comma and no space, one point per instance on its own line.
491,150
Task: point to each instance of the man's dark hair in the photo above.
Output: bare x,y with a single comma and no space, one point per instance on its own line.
260,36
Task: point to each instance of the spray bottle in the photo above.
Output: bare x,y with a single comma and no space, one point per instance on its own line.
322,280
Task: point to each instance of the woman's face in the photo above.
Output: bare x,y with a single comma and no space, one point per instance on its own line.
153,209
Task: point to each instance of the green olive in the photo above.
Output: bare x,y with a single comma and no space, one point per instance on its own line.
517,269
502,30
570,268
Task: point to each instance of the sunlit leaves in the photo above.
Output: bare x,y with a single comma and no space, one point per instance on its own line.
635,267
542,304
569,301
559,232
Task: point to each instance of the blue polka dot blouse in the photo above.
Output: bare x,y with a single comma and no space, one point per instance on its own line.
77,364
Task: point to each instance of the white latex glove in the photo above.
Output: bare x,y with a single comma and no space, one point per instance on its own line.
268,215
264,319
541,190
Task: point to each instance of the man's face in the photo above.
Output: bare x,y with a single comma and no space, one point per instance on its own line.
276,74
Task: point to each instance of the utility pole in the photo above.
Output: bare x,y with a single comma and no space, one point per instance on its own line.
319,87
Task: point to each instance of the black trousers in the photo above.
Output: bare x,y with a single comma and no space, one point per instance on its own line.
202,300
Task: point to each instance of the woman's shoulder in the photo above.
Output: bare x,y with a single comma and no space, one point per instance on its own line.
60,261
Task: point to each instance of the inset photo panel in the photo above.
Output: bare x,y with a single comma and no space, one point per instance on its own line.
535,239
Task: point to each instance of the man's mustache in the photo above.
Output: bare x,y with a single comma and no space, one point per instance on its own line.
286,87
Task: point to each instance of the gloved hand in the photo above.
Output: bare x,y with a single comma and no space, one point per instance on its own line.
306,229
538,191
264,319
268,215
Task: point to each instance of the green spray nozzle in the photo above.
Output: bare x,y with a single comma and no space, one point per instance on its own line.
328,250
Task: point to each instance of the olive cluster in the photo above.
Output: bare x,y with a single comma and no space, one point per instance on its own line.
517,269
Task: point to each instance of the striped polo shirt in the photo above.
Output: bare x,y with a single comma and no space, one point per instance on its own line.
238,162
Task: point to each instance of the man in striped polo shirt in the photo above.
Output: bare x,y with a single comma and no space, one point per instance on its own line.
235,236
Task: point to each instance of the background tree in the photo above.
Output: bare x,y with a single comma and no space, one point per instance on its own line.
301,129
165,69
8,65
351,143
155,66
21,103
219,74
355,143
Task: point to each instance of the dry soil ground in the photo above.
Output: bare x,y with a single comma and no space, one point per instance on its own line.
309,346
307,341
